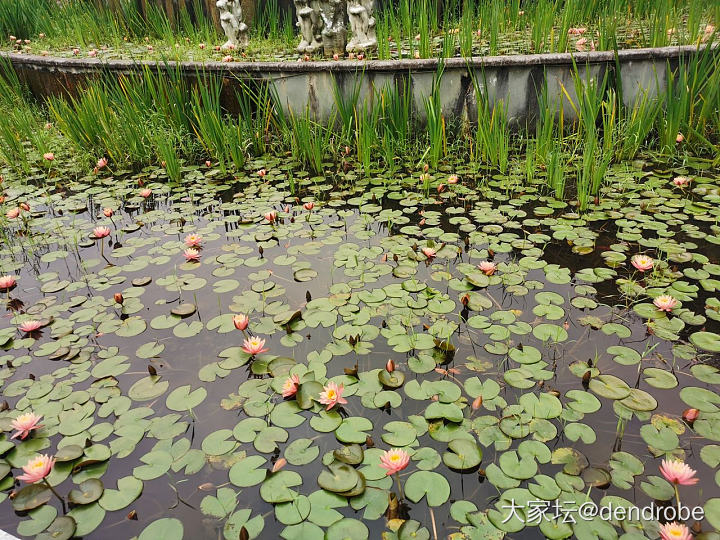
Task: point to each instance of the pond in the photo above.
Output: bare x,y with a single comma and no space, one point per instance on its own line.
521,353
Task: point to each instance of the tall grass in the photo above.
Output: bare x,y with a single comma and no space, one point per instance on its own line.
435,120
595,102
492,134
309,140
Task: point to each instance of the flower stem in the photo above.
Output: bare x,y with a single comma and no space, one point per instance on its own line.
400,491
56,494
677,496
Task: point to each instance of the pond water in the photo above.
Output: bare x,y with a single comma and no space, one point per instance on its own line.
552,377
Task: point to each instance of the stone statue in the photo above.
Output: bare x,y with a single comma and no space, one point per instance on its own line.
233,26
362,24
310,24
334,33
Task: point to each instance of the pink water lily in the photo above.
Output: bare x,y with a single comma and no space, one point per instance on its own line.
332,395
309,206
101,163
394,461
191,254
642,262
101,232
271,216
675,531
429,252
12,213
7,282
49,156
681,181
254,345
487,267
37,468
145,193
453,179
665,302
291,386
193,240
30,326
24,424
108,212
241,321
679,473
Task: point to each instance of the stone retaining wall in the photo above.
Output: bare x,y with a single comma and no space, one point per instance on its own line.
515,79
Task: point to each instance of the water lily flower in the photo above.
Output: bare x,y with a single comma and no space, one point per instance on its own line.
25,206
453,179
286,208
271,216
441,188
29,326
24,424
332,395
145,193
191,254
665,302
394,460
241,321
279,464
390,366
37,468
118,297
681,181
208,163
254,345
193,240
262,172
429,252
680,138
477,403
679,473
576,31
49,156
12,213
7,282
108,212
101,232
227,58
642,262
201,45
675,531
309,206
101,163
487,267
291,386
690,415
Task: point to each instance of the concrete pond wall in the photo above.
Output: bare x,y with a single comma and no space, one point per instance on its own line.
310,86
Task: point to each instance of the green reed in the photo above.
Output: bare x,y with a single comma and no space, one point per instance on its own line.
435,120
492,133
346,105
467,29
367,119
309,140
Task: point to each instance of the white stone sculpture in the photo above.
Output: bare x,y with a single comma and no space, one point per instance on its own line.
232,24
334,33
310,24
362,24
